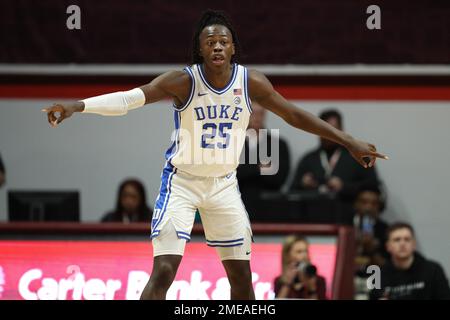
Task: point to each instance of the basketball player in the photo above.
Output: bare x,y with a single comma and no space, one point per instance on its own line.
212,95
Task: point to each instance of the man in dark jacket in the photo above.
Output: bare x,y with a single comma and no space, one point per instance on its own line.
408,275
330,168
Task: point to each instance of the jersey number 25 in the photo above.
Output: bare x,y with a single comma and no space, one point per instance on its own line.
209,134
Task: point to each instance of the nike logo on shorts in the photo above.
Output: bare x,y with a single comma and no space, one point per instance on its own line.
247,252
202,94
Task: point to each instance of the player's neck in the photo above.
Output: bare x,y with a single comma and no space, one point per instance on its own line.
218,76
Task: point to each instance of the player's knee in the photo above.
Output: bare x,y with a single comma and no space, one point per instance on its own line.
240,276
164,274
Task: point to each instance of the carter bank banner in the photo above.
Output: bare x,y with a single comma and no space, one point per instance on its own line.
94,270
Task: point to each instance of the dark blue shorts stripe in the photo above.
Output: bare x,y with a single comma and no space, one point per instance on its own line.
184,233
224,241
183,237
225,245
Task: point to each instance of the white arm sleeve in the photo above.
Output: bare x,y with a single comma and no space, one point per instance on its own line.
115,104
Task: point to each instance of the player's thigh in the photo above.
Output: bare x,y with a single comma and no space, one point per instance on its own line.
173,228
227,228
174,215
168,242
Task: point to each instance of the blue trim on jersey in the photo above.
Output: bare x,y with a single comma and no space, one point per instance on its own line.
230,245
177,116
225,241
210,87
191,93
169,153
247,98
164,193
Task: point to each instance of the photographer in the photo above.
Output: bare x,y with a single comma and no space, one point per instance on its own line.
299,279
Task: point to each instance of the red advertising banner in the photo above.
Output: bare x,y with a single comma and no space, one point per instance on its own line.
107,270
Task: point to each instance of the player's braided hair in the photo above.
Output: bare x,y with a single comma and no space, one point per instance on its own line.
210,17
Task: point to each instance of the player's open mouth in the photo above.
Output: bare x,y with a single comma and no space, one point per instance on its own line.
218,59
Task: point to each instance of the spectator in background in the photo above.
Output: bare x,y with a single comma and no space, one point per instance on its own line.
131,204
408,275
370,232
331,168
370,228
251,180
2,173
299,279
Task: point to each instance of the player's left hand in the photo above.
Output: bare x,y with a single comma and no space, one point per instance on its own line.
360,150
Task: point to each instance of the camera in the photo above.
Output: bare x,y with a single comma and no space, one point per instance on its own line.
307,269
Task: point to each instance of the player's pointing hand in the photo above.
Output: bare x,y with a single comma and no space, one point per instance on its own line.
360,150
59,112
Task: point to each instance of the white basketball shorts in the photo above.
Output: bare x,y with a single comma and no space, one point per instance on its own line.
224,218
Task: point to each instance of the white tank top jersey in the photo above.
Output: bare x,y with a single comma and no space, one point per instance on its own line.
210,127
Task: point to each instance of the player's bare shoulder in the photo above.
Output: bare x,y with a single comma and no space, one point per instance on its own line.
175,84
258,84
173,80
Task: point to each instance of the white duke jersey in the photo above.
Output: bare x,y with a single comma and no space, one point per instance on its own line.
210,127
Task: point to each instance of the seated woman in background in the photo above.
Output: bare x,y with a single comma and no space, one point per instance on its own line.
299,279
131,204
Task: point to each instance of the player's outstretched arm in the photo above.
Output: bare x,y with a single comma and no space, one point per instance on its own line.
262,91
173,84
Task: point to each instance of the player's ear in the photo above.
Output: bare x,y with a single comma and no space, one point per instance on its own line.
233,51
